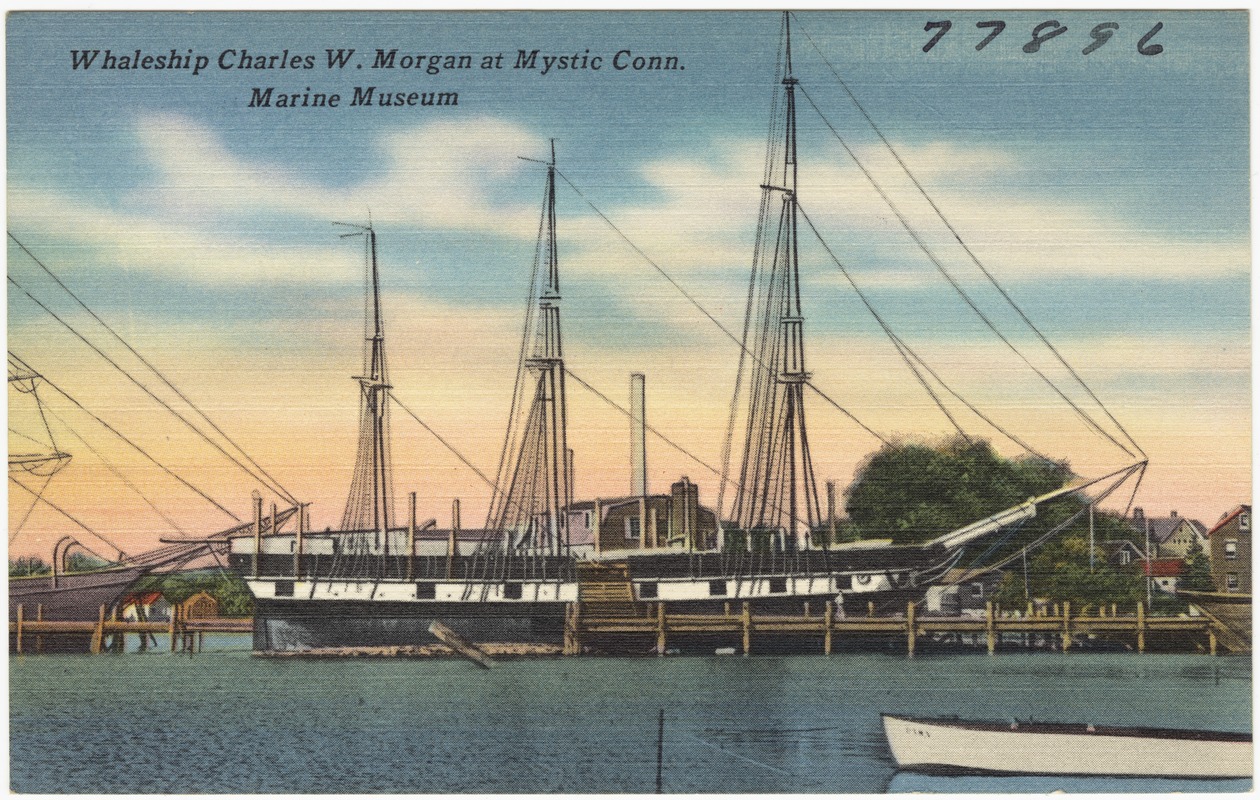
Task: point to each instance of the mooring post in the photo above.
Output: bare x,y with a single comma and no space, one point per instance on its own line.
174,619
1141,627
1067,625
806,609
660,629
870,608
746,616
1211,639
19,628
726,608
98,634
577,628
827,630
39,637
988,626
910,629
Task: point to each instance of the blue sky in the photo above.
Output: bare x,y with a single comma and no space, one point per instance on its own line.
1108,192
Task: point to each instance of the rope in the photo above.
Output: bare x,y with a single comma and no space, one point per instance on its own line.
137,447
284,493
689,297
914,235
40,498
147,391
900,344
1010,300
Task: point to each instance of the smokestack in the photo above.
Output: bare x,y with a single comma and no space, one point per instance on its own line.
638,437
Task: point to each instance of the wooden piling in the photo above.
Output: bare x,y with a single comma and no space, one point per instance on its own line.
806,609
577,628
910,629
726,608
870,608
1211,639
1141,627
827,630
1067,625
19,628
660,629
990,632
98,634
746,616
174,622
39,617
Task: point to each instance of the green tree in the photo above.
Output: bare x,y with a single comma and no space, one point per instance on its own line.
1196,575
1060,571
913,493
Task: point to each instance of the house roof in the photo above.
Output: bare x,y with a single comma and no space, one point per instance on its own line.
1228,517
1162,528
1163,567
142,598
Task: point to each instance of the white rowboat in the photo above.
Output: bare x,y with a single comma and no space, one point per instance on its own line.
1037,748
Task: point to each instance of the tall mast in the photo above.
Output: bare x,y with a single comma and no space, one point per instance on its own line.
370,503
777,487
531,509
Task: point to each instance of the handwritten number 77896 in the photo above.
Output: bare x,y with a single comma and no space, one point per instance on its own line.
1099,35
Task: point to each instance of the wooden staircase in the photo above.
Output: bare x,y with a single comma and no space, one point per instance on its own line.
604,589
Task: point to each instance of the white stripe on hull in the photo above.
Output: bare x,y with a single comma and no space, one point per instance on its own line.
923,745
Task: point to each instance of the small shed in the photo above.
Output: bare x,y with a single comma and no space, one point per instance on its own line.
200,606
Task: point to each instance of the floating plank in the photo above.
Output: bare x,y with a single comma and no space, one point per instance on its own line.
460,645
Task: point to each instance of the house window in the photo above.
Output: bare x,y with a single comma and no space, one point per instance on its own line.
717,588
778,586
588,520
1231,549
1244,521
632,527
977,590
1124,557
1231,581
647,591
426,591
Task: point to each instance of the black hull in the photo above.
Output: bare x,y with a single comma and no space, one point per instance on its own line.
295,625
304,625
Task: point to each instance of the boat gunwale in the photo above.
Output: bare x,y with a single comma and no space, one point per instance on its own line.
1078,729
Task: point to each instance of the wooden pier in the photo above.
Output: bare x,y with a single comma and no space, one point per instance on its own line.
585,629
108,633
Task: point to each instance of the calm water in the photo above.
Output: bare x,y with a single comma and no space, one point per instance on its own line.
227,722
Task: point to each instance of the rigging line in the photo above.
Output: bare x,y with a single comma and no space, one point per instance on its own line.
849,414
27,438
993,280
119,474
13,536
693,300
900,343
67,515
509,438
284,493
275,488
139,449
445,443
954,283
1127,473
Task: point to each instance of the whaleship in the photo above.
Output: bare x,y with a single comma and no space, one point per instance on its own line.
379,580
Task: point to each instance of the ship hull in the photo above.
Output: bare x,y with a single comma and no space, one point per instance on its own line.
77,598
958,747
305,625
